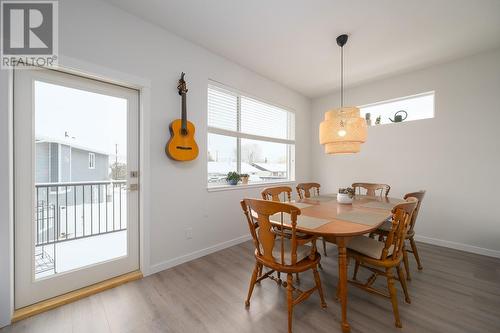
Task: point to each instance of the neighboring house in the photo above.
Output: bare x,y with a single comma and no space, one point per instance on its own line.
59,161
217,171
274,170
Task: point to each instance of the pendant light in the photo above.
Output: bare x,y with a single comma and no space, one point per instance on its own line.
343,130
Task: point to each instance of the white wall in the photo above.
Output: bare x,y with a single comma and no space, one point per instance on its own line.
97,33
6,227
455,156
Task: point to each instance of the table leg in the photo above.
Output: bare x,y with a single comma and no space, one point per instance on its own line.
343,283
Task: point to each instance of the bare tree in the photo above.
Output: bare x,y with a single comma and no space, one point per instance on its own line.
118,171
251,153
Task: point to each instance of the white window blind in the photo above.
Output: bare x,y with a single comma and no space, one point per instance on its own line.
263,119
222,106
248,136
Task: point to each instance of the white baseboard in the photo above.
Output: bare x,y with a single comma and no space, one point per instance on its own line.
221,246
197,254
458,246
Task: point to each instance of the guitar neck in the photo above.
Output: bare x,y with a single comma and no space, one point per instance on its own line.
184,112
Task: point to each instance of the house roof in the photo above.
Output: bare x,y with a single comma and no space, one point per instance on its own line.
271,167
42,139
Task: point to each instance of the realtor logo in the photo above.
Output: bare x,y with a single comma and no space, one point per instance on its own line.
29,33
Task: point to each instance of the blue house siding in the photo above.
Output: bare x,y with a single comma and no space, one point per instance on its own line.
54,162
80,170
57,162
42,163
65,163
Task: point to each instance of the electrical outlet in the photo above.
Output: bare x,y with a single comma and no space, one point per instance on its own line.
189,233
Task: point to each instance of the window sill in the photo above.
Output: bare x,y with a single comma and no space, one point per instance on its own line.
216,188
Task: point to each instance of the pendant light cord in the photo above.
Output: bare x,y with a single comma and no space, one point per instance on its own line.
342,79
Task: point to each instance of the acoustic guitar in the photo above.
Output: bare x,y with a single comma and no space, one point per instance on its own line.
181,146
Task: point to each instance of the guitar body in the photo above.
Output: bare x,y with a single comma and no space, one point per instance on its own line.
181,146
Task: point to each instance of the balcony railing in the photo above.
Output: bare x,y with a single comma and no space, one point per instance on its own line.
69,211
75,210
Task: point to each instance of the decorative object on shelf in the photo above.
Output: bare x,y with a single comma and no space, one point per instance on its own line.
182,146
368,119
343,130
377,121
345,195
398,117
233,178
244,178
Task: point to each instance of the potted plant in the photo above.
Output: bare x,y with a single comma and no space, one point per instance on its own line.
233,178
368,119
244,178
345,195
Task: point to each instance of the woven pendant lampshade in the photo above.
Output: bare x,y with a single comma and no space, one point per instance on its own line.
343,130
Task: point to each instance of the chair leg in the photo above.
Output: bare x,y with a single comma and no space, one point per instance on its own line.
403,284
415,253
259,273
279,282
289,288
252,284
356,268
324,246
406,263
394,299
297,277
320,287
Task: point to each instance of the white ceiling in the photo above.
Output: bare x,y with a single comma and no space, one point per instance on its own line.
293,41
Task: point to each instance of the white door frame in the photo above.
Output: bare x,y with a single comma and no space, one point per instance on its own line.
90,70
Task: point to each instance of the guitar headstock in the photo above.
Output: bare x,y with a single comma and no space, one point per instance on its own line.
182,87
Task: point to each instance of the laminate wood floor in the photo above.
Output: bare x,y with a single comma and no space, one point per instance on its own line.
456,292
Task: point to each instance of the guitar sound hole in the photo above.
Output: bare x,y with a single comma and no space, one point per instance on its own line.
184,132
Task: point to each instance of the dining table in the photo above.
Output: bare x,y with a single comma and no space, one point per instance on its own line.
324,216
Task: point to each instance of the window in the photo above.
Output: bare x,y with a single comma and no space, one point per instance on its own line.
91,161
250,137
417,107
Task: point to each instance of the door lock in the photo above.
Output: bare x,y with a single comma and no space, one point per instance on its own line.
133,187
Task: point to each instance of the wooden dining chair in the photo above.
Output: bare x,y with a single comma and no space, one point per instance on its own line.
304,191
371,189
274,193
386,228
381,258
279,253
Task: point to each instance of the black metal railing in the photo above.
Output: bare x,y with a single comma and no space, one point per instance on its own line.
75,210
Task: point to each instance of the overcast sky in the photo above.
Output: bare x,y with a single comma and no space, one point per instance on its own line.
95,121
